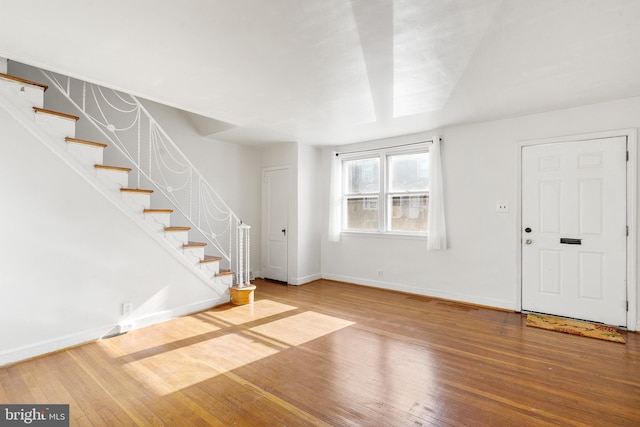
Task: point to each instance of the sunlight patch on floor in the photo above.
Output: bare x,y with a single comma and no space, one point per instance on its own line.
156,335
174,370
179,362
301,328
168,372
250,312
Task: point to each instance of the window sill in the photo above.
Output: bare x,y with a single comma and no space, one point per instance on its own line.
388,235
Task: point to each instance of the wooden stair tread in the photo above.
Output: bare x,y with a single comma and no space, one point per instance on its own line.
152,211
25,81
135,190
84,141
177,228
193,245
56,113
224,273
209,258
114,168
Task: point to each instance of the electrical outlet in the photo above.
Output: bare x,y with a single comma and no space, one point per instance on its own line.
502,207
127,308
380,273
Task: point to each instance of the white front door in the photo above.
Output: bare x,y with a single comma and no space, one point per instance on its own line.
275,223
574,229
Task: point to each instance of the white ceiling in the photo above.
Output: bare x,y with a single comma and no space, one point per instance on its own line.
337,71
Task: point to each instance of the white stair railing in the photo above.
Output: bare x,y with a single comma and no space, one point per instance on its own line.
128,126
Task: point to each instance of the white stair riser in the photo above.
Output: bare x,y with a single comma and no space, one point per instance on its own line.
194,255
56,126
210,269
3,65
137,202
32,96
159,221
88,155
177,238
226,280
113,179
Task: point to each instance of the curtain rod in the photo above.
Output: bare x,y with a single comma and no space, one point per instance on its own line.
386,148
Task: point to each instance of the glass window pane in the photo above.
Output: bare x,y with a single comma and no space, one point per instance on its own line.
362,176
409,172
408,213
362,213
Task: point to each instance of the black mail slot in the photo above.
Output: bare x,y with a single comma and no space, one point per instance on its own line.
568,241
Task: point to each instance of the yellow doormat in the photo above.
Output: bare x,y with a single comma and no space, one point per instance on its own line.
575,327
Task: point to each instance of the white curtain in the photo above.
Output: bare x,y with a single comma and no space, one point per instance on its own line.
335,198
436,231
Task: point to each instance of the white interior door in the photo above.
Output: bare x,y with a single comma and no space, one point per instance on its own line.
275,223
574,229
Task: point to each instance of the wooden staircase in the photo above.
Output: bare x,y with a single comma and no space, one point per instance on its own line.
62,126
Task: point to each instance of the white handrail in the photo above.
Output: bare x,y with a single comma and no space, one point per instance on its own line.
128,125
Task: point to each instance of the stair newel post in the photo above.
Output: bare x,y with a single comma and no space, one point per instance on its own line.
231,227
247,231
237,254
243,243
239,245
242,291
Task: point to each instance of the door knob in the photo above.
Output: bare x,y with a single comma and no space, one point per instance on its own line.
284,231
528,242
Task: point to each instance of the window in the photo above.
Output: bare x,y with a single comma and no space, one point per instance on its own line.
361,192
408,192
386,191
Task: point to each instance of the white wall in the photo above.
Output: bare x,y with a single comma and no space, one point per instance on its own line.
480,168
70,257
309,215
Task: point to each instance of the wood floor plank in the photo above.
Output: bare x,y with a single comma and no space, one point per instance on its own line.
15,386
334,354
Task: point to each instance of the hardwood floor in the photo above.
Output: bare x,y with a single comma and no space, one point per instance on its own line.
335,354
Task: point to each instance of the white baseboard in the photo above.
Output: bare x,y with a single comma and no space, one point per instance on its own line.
163,316
489,302
59,343
305,279
54,344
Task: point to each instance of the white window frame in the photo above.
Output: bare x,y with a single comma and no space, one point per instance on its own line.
383,194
